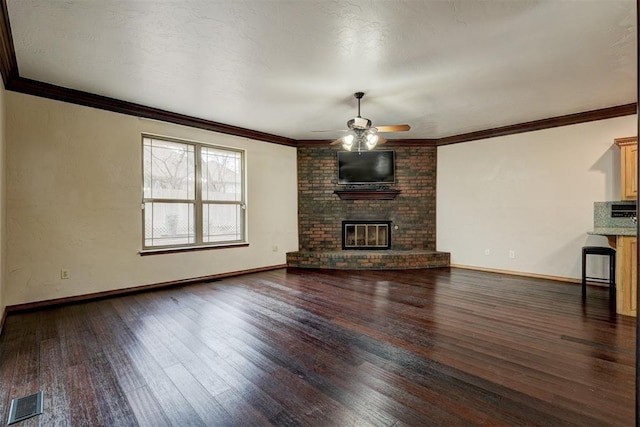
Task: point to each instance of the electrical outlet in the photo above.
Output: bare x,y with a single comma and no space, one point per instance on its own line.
274,248
487,251
65,274
512,254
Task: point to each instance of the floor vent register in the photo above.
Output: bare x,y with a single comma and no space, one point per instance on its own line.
25,407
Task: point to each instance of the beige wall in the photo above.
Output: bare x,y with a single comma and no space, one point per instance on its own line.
73,200
3,276
532,193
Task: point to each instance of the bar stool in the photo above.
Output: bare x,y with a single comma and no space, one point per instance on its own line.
611,280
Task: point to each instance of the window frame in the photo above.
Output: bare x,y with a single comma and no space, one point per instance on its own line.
197,202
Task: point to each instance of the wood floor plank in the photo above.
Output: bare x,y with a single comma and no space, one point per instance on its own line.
146,408
247,386
8,360
56,402
205,405
114,407
240,409
175,406
327,347
84,407
106,329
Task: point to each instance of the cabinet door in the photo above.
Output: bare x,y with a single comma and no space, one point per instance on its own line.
629,160
628,167
628,277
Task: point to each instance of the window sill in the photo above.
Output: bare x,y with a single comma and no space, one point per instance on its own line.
190,249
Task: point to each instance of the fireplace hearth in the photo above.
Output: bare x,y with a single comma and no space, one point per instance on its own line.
366,235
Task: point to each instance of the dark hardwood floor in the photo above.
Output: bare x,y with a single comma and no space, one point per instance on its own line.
329,348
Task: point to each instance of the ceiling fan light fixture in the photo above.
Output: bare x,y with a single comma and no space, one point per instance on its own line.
362,134
347,142
372,141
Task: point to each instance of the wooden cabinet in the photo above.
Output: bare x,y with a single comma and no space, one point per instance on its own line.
628,167
627,275
627,246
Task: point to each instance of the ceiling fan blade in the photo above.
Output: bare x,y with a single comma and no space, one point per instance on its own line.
393,128
381,140
337,141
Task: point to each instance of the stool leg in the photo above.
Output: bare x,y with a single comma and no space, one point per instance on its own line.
584,274
612,280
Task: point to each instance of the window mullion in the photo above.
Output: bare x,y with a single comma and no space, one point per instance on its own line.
198,208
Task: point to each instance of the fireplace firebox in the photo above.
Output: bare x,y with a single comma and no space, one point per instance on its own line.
366,235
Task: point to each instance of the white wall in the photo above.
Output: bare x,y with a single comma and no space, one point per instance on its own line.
73,201
532,193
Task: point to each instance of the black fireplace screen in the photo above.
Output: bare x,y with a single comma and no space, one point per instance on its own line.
366,234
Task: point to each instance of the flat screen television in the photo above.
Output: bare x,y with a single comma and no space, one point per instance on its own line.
366,167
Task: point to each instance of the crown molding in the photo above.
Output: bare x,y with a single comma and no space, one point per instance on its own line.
8,62
58,93
552,122
46,90
13,82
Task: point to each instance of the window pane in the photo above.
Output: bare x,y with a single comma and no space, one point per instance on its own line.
222,223
169,224
221,175
169,170
174,215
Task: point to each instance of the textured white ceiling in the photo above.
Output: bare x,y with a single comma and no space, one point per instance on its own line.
290,67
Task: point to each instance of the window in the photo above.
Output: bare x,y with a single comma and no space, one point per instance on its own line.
193,194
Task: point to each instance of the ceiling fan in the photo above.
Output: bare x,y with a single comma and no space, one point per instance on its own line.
362,134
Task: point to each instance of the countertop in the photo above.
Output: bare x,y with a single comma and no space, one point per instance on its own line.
605,224
614,231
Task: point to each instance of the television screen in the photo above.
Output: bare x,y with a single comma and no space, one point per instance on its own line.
366,167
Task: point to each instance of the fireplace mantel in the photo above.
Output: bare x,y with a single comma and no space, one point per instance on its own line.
367,194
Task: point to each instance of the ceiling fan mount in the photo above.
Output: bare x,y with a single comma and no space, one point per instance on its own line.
359,122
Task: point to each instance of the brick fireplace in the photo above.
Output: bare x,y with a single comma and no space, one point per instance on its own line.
410,213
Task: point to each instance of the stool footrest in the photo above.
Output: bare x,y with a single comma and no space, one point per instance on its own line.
597,279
